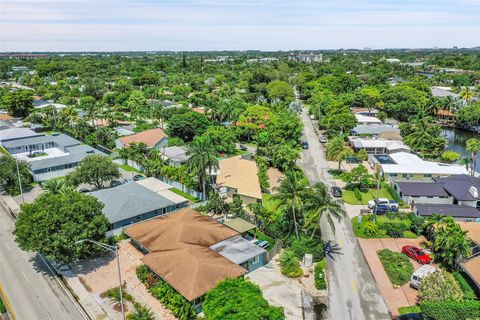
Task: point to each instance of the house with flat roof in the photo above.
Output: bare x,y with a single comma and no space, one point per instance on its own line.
153,138
49,156
408,166
374,129
193,252
237,176
367,120
175,156
9,134
137,201
377,146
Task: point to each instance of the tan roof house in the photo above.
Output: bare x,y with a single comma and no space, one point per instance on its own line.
239,176
153,138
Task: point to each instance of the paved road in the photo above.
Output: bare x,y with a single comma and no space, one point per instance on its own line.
353,291
29,285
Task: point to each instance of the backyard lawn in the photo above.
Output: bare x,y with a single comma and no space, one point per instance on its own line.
185,195
128,168
409,309
349,197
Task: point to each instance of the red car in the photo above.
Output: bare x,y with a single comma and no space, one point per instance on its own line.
416,254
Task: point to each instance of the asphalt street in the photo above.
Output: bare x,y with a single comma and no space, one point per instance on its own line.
353,292
34,293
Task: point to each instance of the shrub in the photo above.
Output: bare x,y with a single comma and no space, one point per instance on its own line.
290,265
417,224
370,229
394,228
362,155
394,194
397,266
467,290
320,275
305,244
452,310
163,292
439,286
358,194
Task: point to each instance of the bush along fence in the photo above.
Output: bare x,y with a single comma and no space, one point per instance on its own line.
163,292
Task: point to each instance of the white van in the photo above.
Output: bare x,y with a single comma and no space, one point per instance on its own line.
421,273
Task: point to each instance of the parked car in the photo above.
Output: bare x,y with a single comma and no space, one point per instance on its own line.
127,180
382,202
352,160
411,316
83,190
243,147
115,183
416,254
336,192
138,177
304,144
263,244
322,139
420,274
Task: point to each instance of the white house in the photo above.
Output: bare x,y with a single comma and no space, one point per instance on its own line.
366,120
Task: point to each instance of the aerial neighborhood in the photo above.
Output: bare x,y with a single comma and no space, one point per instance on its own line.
256,185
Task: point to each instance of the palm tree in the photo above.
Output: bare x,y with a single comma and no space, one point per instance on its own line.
338,150
291,194
141,313
473,146
203,159
451,241
467,162
319,202
467,95
57,186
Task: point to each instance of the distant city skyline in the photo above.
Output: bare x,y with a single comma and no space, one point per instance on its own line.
213,25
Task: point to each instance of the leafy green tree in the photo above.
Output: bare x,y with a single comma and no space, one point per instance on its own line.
338,123
370,98
9,175
280,91
55,221
188,125
439,286
18,103
403,100
203,159
450,242
358,177
362,155
239,299
58,186
94,169
88,104
222,138
318,203
450,156
468,117
290,264
473,146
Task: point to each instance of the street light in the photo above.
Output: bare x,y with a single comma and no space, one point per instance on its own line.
113,249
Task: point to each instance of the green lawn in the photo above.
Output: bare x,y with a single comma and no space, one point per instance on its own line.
358,230
259,235
409,309
338,174
348,196
128,168
185,195
398,266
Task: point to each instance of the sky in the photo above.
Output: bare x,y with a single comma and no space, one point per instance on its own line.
190,25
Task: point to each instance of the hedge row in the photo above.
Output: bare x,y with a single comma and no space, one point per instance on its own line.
163,292
452,310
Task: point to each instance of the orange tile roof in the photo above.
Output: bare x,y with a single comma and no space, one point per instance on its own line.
5,116
473,229
149,137
472,267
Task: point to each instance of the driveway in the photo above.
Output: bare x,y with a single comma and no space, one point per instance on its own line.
394,297
353,292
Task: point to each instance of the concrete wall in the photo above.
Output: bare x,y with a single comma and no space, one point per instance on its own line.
428,200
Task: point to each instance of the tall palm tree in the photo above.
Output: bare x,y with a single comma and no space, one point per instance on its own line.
141,313
432,223
203,159
58,186
291,194
338,150
467,95
451,242
319,202
473,146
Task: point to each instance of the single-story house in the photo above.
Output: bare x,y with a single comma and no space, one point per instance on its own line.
377,146
374,129
366,120
178,248
365,112
460,213
49,156
464,189
238,176
9,134
408,166
153,138
421,192
133,202
175,156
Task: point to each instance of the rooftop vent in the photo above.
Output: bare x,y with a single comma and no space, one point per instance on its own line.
473,191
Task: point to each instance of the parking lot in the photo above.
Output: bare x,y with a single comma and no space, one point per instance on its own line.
394,297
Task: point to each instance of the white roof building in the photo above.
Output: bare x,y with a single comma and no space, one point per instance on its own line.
378,146
367,120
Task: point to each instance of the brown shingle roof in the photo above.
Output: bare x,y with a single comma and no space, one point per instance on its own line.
472,267
149,137
240,174
179,251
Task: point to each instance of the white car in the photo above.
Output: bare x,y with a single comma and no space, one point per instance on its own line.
382,202
420,274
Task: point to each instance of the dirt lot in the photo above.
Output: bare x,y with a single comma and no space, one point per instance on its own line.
394,297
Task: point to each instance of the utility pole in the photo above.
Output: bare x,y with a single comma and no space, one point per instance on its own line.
19,181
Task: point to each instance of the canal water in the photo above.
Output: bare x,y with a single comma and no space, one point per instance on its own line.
457,140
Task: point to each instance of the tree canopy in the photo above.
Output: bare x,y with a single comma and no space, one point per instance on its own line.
95,170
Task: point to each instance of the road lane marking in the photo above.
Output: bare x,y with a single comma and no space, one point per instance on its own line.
25,276
7,302
354,286
6,245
